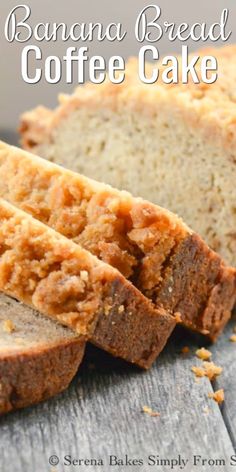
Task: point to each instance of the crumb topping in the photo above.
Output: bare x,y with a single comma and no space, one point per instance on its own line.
208,369
121,309
203,354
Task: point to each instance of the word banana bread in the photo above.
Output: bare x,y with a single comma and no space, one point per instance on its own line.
150,246
172,144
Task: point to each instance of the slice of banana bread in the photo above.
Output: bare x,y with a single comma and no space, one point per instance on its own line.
152,247
38,357
47,271
173,144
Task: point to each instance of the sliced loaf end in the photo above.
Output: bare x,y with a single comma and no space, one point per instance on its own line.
38,357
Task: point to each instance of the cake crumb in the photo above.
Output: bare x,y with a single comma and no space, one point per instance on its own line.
205,331
107,309
178,317
212,370
185,350
32,284
8,326
149,411
198,371
84,275
218,396
203,354
121,309
233,338
208,369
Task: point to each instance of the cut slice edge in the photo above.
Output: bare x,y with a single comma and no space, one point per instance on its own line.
38,357
151,246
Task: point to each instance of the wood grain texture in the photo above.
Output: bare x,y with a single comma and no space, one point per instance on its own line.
101,414
224,354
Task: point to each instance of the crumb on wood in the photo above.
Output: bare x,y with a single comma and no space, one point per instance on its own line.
185,350
203,354
178,317
233,338
218,396
212,370
8,326
149,411
206,410
208,369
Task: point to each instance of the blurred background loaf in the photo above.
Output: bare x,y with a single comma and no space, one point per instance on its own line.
174,145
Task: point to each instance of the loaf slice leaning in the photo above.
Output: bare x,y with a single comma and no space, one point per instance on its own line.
57,277
38,357
173,144
152,247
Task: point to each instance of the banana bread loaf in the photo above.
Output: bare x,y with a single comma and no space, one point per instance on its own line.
38,357
52,274
172,144
153,248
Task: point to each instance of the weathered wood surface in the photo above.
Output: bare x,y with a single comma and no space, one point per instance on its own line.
101,415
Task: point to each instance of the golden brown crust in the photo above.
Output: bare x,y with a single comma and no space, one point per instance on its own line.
33,376
60,279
